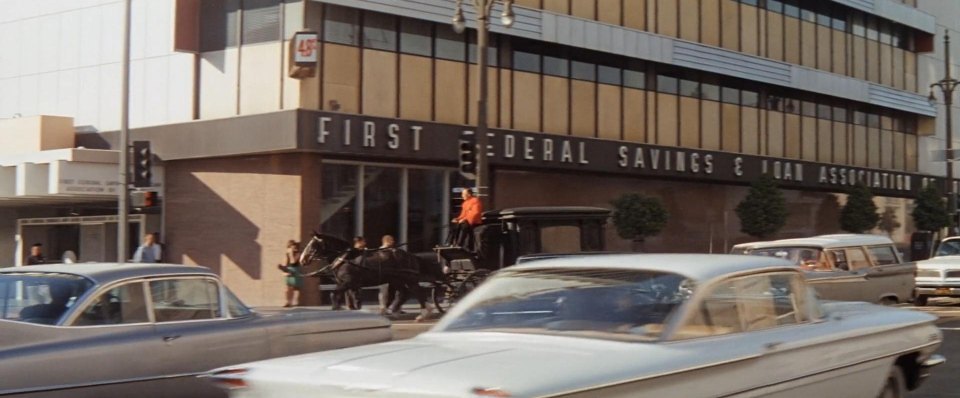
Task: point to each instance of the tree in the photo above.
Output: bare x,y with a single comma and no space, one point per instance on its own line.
764,211
888,221
637,217
930,210
860,213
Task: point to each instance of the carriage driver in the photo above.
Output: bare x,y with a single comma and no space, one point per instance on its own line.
470,216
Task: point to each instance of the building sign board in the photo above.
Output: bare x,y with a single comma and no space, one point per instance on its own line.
365,137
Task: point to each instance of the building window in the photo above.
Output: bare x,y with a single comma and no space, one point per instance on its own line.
450,45
859,27
667,84
341,25
689,88
808,109
425,221
415,37
608,75
261,21
791,8
710,92
634,79
775,6
526,61
583,70
730,95
859,118
381,202
556,66
823,111
750,98
839,114
380,31
873,120
338,197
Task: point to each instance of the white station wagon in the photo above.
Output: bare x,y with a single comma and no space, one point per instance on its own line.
627,326
848,267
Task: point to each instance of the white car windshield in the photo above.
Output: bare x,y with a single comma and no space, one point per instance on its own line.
600,303
39,297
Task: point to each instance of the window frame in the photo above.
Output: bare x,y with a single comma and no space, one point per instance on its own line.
806,307
221,299
90,296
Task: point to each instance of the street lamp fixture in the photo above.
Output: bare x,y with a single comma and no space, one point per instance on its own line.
459,23
507,18
947,85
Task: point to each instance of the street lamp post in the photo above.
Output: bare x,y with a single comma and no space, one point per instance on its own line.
483,8
947,85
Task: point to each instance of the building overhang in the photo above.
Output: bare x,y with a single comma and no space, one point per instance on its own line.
72,175
375,139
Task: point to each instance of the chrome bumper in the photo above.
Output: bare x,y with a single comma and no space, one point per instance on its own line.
934,360
936,291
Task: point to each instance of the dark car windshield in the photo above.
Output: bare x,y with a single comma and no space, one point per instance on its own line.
39,297
599,303
949,248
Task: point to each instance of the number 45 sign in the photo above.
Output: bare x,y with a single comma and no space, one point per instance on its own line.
305,48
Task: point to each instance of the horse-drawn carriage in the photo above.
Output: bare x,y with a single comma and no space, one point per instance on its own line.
516,233
504,238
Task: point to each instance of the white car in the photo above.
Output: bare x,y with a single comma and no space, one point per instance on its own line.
940,275
627,326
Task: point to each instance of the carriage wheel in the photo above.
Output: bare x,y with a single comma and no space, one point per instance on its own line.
451,290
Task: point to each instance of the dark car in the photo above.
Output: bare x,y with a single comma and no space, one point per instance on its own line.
108,330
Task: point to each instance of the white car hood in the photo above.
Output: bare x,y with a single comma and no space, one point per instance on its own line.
454,364
940,263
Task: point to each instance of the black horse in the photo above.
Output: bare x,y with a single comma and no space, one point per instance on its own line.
354,269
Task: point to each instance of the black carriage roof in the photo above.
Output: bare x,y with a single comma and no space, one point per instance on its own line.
547,213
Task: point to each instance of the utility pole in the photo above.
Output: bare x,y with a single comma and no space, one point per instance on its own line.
123,199
947,85
483,8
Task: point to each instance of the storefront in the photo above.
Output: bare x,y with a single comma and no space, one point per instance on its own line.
247,185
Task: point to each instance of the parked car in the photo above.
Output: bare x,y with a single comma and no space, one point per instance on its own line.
626,326
847,267
108,330
940,275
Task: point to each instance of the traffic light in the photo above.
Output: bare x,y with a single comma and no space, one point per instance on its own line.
468,158
142,199
141,164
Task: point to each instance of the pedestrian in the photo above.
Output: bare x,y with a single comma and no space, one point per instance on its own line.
294,273
471,214
157,242
36,255
149,251
389,294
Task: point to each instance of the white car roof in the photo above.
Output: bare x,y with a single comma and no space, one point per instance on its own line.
822,241
698,267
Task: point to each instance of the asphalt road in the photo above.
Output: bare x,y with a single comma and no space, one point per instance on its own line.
943,382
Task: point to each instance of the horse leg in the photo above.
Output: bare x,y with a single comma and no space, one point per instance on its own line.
425,308
402,294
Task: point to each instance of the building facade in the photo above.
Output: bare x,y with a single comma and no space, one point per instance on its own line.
685,100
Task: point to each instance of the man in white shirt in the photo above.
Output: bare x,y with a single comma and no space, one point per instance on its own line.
149,251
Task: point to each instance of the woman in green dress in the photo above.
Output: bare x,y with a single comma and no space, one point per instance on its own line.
294,273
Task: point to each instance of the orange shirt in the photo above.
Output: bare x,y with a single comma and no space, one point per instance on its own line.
471,211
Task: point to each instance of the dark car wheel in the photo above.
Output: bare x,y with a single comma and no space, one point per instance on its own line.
920,301
895,386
